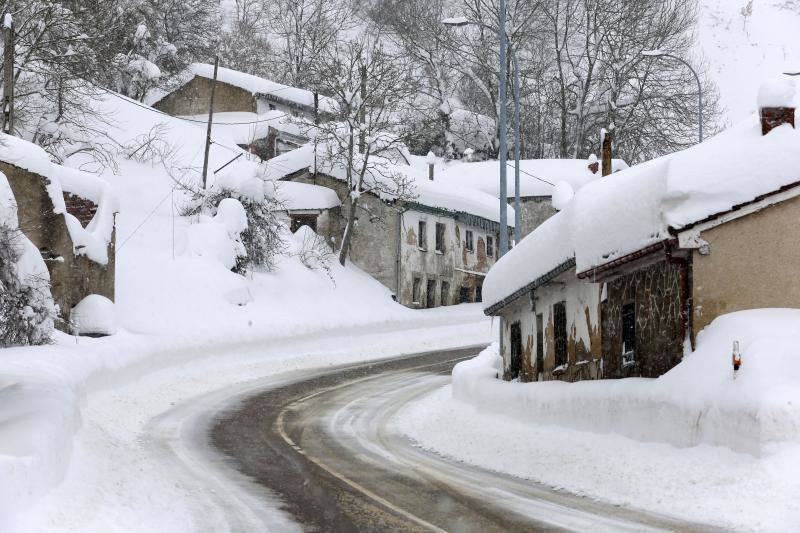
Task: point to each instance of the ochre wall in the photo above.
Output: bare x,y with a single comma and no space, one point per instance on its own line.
193,98
754,263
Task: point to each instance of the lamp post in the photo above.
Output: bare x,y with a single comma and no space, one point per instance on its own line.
661,53
459,22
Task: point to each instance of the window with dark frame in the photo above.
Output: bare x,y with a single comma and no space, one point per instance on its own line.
628,334
415,287
440,228
469,243
422,239
489,246
560,332
445,298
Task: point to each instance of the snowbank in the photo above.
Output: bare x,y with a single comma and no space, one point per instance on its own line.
94,315
697,402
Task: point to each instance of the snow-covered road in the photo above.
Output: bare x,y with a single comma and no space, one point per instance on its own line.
327,444
141,461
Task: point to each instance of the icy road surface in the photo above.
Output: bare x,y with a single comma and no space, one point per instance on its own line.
325,445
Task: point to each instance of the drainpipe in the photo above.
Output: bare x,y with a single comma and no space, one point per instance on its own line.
399,254
686,315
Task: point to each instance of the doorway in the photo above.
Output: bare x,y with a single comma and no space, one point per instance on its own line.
516,350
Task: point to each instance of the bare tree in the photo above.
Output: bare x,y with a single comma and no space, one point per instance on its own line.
372,87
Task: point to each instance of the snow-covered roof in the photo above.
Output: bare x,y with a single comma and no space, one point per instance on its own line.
262,86
243,128
435,194
628,211
296,196
534,175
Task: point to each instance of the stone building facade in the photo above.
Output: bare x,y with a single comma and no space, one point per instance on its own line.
446,266
73,276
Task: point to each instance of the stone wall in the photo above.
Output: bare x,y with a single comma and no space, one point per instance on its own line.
72,277
655,291
193,98
534,210
753,263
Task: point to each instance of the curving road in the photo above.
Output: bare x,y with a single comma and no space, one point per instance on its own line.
324,444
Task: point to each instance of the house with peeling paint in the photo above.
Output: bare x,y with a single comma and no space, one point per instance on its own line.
431,249
621,281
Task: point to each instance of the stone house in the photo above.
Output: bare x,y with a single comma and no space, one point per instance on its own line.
537,180
261,112
69,216
620,283
430,251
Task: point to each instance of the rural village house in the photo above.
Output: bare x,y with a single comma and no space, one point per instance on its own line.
620,282
69,216
258,112
430,251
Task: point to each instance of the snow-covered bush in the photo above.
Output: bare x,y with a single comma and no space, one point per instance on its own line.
93,316
27,310
262,238
314,252
219,237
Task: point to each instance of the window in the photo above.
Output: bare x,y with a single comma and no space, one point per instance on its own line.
415,290
469,243
272,107
430,295
628,334
479,292
489,246
445,299
560,332
464,295
422,239
440,237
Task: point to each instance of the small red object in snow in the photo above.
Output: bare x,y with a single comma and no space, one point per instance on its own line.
737,357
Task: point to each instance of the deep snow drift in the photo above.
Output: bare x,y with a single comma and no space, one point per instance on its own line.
695,443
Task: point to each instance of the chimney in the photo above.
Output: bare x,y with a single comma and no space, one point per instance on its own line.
776,103
431,160
606,143
594,164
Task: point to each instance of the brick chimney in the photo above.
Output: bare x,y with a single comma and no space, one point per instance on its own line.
607,142
594,164
776,104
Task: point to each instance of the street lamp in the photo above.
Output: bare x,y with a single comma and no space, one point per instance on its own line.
459,22
661,53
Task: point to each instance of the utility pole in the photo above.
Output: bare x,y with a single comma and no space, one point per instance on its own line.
362,116
503,130
210,122
8,74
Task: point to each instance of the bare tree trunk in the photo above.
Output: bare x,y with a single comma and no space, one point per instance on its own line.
347,238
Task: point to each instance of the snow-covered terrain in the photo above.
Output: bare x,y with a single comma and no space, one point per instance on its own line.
85,440
696,443
744,42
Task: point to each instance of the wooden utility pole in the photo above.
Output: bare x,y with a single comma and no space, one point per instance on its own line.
210,122
362,116
8,74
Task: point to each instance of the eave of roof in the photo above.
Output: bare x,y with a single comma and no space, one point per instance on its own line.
538,282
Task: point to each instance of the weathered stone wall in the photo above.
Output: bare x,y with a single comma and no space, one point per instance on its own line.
656,292
753,264
456,265
72,277
193,99
534,210
584,344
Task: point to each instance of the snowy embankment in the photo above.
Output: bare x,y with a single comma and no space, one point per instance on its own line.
694,443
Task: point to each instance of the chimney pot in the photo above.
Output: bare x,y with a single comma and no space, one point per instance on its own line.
772,117
607,137
776,105
594,164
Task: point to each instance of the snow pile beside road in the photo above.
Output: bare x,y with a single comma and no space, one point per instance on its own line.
698,402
